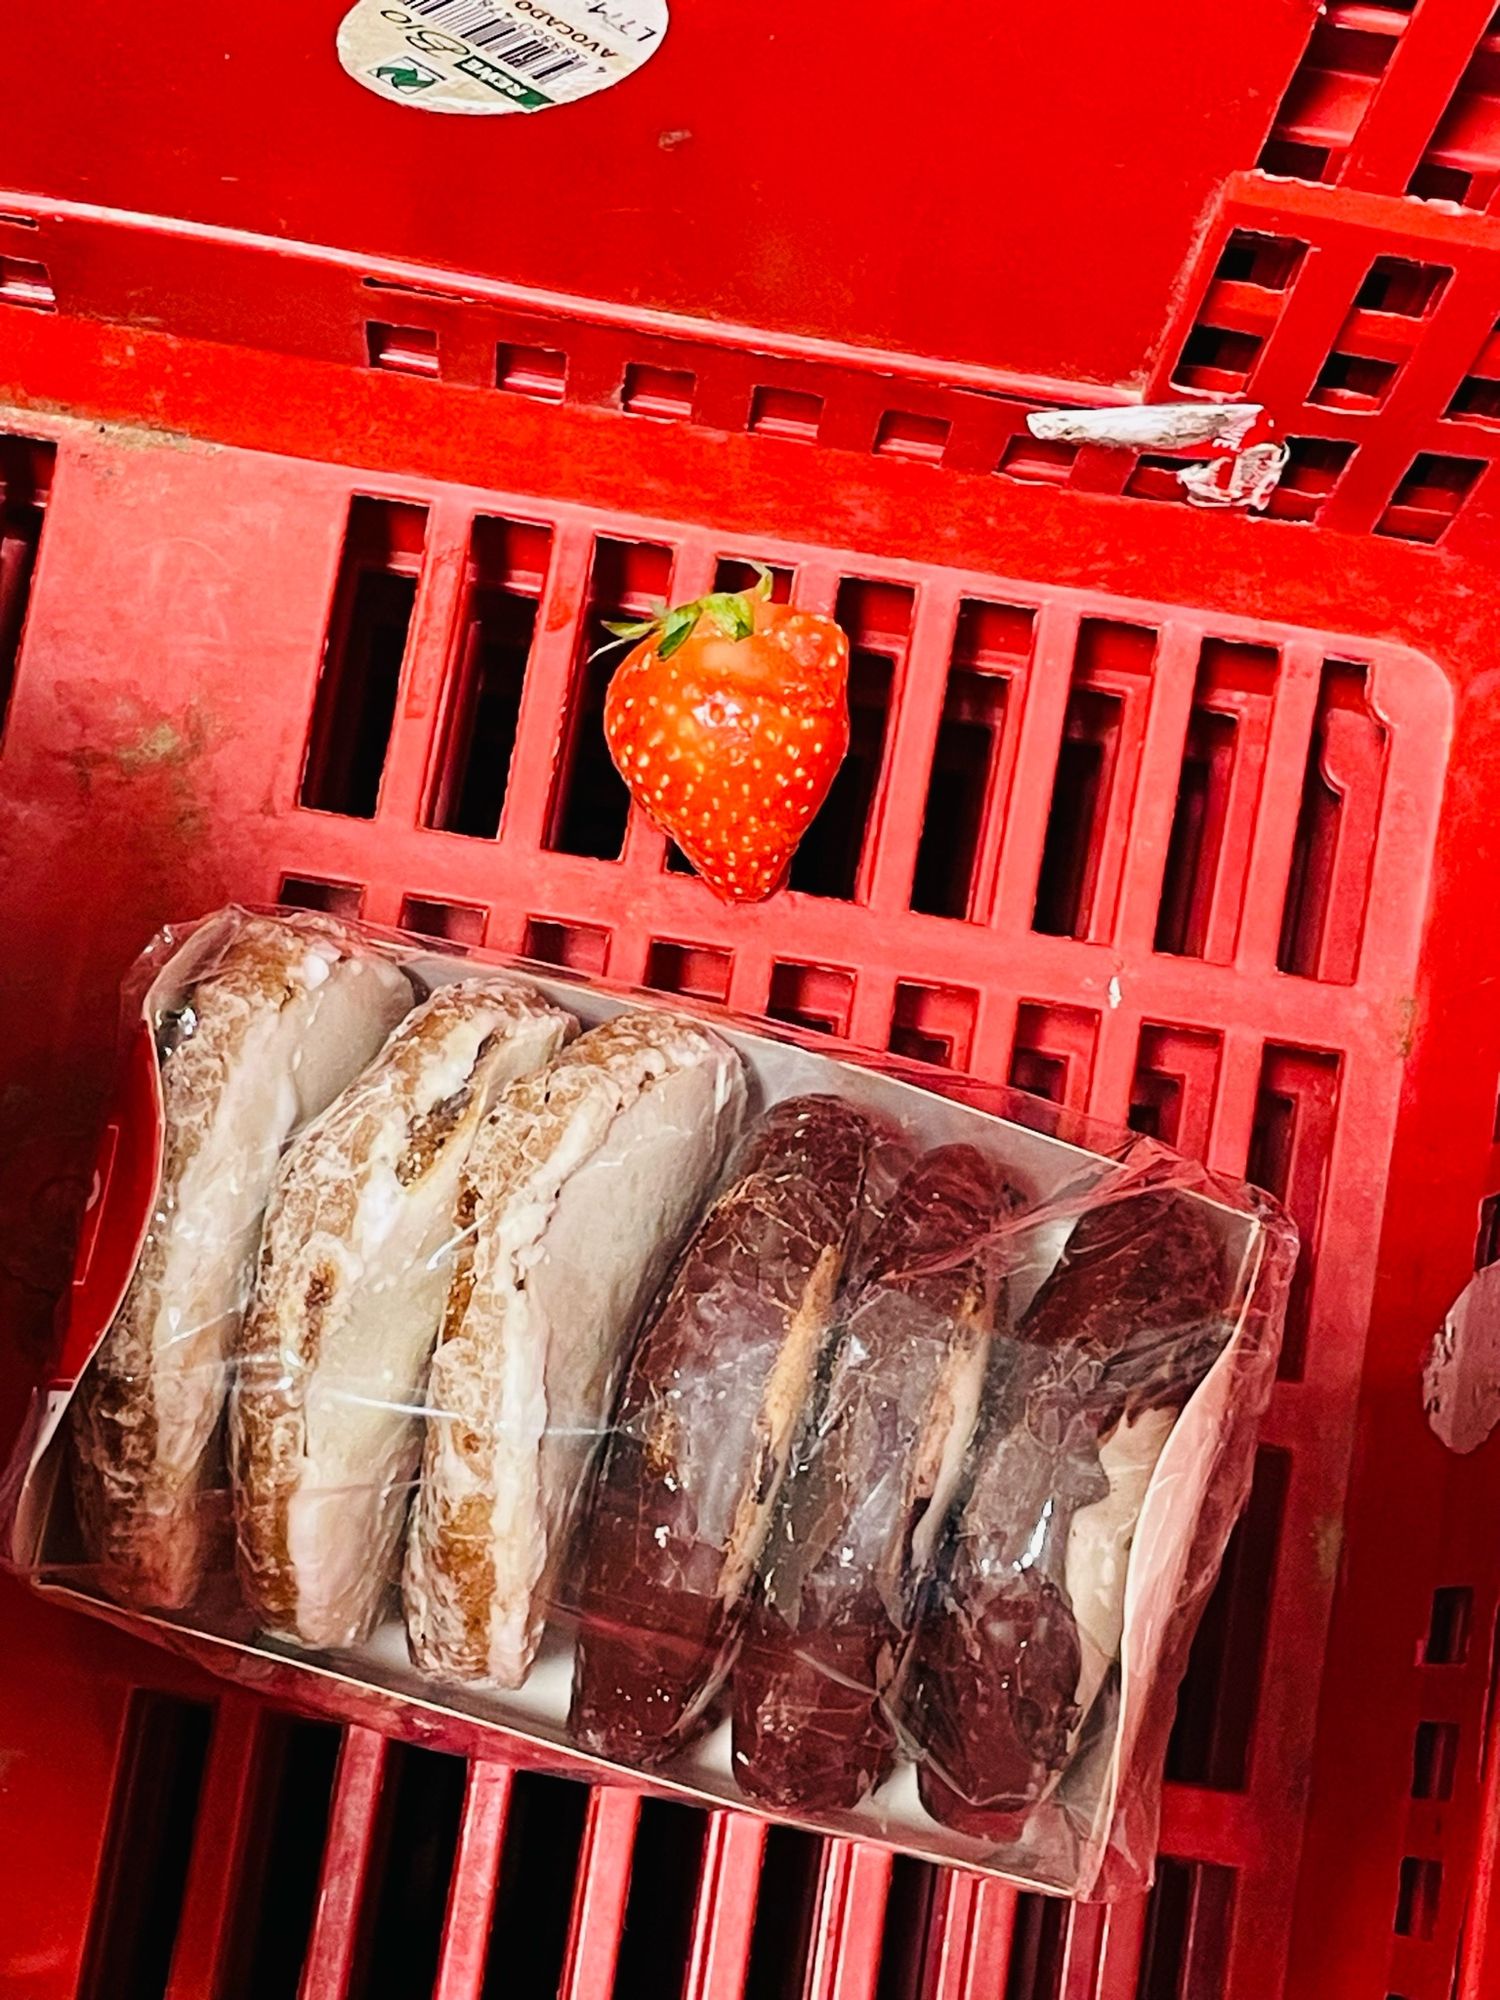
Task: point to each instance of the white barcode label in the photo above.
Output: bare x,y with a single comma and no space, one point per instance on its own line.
497,55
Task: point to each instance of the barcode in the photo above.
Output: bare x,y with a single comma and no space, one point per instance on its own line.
518,48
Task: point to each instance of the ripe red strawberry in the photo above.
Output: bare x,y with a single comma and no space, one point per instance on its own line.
728,722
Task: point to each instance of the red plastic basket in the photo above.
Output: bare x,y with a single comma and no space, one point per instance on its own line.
325,455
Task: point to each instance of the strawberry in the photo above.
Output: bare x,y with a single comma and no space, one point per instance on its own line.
728,721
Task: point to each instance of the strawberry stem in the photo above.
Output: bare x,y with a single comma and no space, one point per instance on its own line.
730,612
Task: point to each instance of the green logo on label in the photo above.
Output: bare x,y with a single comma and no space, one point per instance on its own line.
407,77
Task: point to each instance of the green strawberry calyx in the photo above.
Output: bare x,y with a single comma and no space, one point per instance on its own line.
730,612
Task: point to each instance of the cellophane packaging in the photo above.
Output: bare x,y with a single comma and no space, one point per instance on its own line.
540,1370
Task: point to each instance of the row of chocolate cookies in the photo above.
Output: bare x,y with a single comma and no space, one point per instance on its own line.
838,1477
786,1446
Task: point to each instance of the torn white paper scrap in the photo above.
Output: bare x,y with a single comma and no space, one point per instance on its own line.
1246,479
1251,456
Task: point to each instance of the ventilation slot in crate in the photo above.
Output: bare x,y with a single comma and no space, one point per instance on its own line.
656,1941
1313,469
507,573
528,1940
1403,288
25,282
1328,97
786,413
701,970
1478,394
1434,1760
1188,1922
1477,399
1430,498
355,704
276,1886
1418,1889
1353,381
785,1911
971,761
1214,1732
1172,1093
26,467
410,1867
658,392
1291,1140
153,1818
1037,461
335,899
1268,263
538,372
1492,1695
1203,885
1462,163
406,350
877,618
811,996
1039,1946
460,925
590,805
934,1024
1487,1242
1329,884
905,434
904,1937
576,947
1432,181
1156,475
741,573
1084,852
1218,359
1053,1052
1293,159
1449,1626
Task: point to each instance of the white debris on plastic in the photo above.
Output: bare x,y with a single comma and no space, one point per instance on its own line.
1250,457
1461,1382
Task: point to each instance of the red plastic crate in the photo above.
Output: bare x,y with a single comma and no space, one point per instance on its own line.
322,461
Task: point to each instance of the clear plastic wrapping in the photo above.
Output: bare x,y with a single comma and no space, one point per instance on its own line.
513,1362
